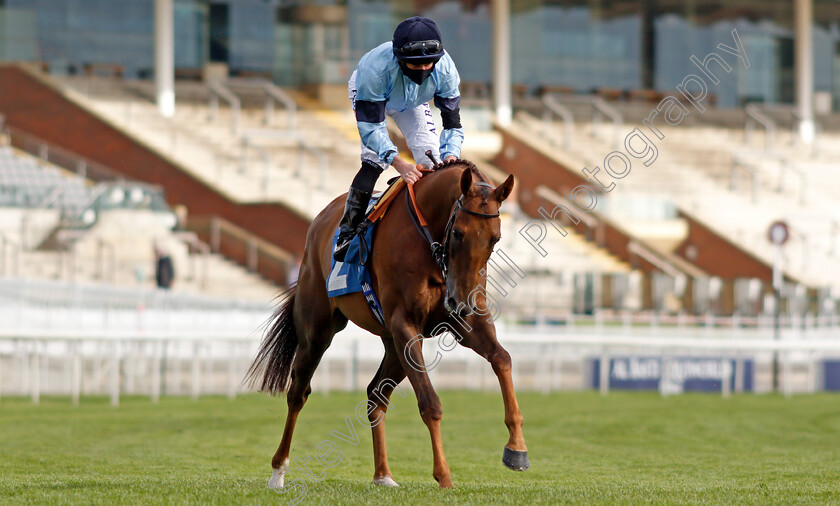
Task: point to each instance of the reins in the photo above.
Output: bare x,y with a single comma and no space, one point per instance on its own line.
440,252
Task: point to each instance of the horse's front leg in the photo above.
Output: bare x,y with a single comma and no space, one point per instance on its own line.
408,342
482,339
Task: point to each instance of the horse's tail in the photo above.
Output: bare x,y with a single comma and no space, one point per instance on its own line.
272,367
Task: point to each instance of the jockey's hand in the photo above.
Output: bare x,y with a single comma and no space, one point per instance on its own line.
410,173
450,158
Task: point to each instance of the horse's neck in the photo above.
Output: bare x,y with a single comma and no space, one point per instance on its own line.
437,197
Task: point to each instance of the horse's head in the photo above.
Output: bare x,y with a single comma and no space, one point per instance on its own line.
473,230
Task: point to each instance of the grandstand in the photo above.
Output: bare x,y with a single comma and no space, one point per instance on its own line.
226,166
300,157
59,225
231,136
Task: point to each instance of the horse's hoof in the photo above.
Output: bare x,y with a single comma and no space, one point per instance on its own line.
277,479
385,481
515,459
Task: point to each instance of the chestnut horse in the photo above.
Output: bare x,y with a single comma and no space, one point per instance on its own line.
461,208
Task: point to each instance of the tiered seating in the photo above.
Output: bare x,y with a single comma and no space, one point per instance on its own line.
58,226
268,168
547,290
258,162
694,172
25,182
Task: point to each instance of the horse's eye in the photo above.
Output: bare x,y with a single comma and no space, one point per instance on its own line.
458,235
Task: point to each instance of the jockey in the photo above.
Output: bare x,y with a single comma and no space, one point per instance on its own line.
398,78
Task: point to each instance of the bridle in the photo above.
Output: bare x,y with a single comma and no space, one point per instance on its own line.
440,252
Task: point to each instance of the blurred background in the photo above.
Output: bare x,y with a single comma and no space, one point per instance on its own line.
161,160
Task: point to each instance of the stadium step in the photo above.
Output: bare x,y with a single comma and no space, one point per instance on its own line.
693,172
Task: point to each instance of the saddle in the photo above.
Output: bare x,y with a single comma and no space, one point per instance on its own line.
395,184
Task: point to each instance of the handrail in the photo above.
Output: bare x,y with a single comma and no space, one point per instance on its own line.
8,244
677,264
51,198
273,93
552,196
793,113
303,147
552,106
737,163
610,111
193,242
280,96
753,113
787,165
97,192
740,159
243,160
651,257
600,108
223,235
68,160
322,162
217,90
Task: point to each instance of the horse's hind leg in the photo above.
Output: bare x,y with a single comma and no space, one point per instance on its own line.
314,337
379,391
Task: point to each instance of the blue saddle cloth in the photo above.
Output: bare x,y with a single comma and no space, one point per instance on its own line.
352,275
349,276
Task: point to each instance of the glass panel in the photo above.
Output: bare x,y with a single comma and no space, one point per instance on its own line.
581,44
252,36
191,34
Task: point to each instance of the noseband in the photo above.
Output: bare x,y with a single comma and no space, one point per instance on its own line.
440,252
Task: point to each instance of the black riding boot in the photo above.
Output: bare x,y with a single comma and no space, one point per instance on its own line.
354,213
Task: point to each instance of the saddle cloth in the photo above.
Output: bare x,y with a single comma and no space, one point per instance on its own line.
352,275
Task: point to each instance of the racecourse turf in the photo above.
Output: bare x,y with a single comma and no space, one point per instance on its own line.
584,448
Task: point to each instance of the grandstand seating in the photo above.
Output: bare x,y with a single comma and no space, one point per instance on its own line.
696,172
25,182
60,226
260,163
304,168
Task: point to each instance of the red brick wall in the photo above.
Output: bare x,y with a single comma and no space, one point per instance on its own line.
532,169
716,255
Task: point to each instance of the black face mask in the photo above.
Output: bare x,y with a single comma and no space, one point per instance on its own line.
418,76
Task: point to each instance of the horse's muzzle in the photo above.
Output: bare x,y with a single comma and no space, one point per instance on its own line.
456,308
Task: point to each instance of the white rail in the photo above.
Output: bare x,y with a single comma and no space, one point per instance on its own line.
553,107
219,90
754,115
600,108
194,364
273,93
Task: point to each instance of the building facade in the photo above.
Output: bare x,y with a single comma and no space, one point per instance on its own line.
580,44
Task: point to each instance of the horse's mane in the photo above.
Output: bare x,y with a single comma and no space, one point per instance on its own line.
458,161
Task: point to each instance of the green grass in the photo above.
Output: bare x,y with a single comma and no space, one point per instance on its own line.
584,448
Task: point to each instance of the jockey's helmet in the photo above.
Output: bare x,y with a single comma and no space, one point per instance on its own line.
417,40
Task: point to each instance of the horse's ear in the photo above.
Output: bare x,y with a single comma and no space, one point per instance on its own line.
504,189
466,181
